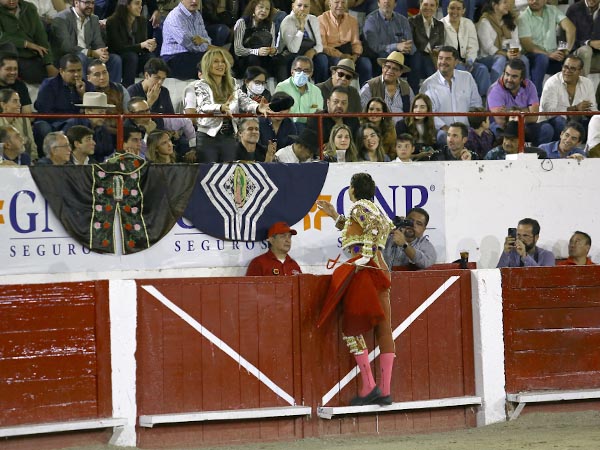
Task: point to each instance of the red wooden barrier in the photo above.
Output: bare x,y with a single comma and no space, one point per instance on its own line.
271,322
551,328
54,352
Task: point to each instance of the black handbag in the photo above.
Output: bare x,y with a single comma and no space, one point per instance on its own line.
307,43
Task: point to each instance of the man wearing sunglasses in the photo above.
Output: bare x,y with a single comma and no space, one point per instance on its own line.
342,75
77,30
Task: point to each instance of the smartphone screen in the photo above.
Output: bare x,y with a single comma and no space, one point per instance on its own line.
512,232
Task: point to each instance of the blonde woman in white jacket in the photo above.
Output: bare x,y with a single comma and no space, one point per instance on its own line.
300,34
461,34
216,93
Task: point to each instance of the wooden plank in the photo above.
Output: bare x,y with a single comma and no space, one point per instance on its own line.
549,362
552,297
29,315
213,373
49,392
570,380
527,277
192,350
55,367
47,343
39,413
172,326
103,350
556,339
540,319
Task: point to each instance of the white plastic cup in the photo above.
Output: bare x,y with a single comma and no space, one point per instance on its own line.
341,155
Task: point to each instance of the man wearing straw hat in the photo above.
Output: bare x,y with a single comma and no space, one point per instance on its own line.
392,69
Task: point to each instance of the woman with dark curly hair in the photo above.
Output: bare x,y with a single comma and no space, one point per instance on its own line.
254,37
366,296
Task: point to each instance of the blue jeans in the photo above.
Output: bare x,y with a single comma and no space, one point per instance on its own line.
496,63
481,75
421,66
540,66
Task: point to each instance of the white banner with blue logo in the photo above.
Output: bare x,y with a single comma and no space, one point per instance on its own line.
33,241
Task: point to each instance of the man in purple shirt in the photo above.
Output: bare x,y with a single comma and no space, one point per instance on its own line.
522,251
512,92
185,40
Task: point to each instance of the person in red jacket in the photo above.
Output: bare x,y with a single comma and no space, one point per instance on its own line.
276,260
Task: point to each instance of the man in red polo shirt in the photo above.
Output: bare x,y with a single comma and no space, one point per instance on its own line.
579,247
276,261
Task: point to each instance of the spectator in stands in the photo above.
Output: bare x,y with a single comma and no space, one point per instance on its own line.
568,91
455,149
512,92
461,34
390,86
384,125
567,147
342,74
185,39
450,90
387,31
10,104
57,150
593,133
429,36
522,251
9,78
510,142
59,95
340,138
127,36
160,149
300,34
422,128
255,83
537,32
405,147
481,139
23,31
151,87
275,128
579,249
95,103
132,140
216,92
407,247
254,37
340,37
219,18
249,148
337,103
86,44
587,33
13,148
368,145
307,97
116,93
82,142
276,261
498,38
304,147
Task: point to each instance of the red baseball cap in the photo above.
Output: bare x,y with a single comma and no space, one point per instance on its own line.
280,228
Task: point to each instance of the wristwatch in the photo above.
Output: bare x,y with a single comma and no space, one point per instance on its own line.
404,246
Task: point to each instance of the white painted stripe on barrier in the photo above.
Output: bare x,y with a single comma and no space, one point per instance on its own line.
397,332
220,344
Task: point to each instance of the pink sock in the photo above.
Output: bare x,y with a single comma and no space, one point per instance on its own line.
386,361
366,375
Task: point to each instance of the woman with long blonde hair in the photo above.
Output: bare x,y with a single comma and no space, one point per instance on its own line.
216,94
340,138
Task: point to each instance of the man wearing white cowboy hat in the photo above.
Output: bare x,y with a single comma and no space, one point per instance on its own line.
394,90
342,74
96,103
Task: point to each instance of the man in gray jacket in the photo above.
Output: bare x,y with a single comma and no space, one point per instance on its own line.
77,30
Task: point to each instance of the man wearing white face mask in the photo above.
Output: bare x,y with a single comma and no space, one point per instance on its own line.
307,97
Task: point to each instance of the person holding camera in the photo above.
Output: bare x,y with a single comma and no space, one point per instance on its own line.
406,245
520,249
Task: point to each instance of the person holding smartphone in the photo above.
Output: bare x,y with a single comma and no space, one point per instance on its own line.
520,249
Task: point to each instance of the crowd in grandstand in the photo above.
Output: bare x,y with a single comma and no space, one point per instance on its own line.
326,56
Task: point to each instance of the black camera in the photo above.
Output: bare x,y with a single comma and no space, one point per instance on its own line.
402,222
